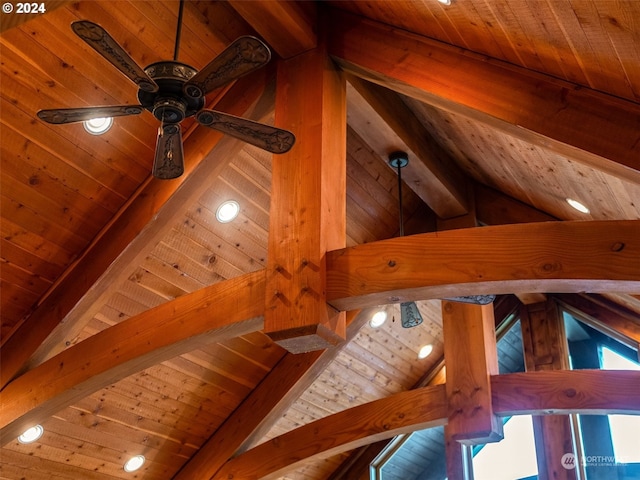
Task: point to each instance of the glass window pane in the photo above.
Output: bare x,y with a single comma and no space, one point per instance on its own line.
512,458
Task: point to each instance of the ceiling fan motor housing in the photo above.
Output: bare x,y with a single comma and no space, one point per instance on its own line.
169,104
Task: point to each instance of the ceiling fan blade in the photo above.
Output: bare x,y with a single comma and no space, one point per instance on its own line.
98,39
73,115
244,55
169,161
274,140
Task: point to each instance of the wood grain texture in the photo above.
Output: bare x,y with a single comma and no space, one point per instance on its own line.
471,358
308,198
125,234
540,109
400,413
574,257
133,345
289,27
381,118
260,410
595,392
545,348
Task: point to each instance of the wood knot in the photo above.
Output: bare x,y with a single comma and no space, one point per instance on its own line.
570,392
392,263
617,247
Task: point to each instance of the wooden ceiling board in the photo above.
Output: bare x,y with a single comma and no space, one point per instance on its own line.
590,42
532,174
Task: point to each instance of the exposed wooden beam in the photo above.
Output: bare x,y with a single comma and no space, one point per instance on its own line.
308,203
471,357
552,256
597,129
79,295
545,348
265,405
542,393
343,431
288,26
381,118
593,392
224,310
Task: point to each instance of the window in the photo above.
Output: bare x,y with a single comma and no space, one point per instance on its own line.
514,457
624,428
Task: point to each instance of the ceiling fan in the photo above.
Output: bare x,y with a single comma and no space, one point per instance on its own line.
173,91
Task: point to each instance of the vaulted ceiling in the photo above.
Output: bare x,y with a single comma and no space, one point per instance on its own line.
505,108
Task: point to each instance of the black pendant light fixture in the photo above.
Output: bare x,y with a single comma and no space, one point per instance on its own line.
409,313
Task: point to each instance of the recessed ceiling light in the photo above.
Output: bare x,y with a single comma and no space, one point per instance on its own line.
31,435
134,463
425,351
577,205
378,319
445,2
98,126
227,211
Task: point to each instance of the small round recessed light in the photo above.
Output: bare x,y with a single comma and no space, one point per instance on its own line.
577,205
31,435
445,2
378,319
98,126
227,211
425,351
134,463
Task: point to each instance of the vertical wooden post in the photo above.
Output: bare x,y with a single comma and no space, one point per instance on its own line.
308,203
470,358
545,348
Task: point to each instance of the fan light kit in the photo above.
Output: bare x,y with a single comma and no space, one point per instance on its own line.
31,435
134,463
98,126
173,91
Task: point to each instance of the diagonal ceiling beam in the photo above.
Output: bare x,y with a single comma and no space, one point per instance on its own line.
382,119
343,431
611,247
265,405
288,26
79,295
534,393
225,310
570,257
596,129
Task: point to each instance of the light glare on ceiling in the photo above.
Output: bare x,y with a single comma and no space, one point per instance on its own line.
378,319
445,2
577,205
31,435
425,351
98,126
227,211
134,463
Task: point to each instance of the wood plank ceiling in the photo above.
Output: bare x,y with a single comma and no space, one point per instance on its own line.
90,238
